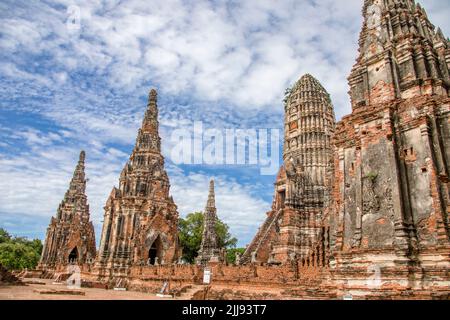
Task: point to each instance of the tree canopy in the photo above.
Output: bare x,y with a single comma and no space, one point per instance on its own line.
17,253
190,234
231,254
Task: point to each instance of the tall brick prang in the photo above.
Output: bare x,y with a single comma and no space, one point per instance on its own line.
141,218
70,236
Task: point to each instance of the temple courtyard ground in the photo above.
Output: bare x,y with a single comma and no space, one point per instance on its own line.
46,289
38,289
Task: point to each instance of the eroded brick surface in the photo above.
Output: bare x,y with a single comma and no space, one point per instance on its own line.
70,236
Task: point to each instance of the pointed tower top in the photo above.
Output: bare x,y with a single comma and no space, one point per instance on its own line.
152,96
76,194
148,135
377,77
211,203
78,181
151,114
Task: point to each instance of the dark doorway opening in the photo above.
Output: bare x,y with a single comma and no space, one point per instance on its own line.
154,252
73,256
282,198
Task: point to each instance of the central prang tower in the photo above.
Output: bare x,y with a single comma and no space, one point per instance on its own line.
302,188
309,125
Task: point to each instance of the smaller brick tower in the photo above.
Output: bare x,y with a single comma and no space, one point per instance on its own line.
209,249
70,236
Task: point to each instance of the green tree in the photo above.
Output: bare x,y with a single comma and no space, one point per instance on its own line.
4,235
18,252
190,234
17,256
231,254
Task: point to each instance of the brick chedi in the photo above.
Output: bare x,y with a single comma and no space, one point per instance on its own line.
303,183
390,211
141,218
70,236
209,248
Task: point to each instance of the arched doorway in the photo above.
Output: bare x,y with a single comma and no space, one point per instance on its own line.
282,194
73,255
155,252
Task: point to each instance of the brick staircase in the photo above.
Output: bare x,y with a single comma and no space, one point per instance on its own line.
188,292
260,236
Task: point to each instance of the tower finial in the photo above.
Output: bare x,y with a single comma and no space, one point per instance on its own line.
152,96
82,156
211,203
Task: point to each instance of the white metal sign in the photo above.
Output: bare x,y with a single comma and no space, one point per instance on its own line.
207,276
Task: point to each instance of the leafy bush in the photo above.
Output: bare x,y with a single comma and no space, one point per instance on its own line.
17,253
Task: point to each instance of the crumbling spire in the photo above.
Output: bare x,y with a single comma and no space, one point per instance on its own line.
72,221
78,182
399,56
148,137
150,121
209,248
211,203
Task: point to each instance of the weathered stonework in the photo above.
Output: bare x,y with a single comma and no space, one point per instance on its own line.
209,248
389,214
70,236
303,183
141,218
8,279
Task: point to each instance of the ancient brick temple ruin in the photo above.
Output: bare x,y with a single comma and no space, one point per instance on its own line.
390,207
302,188
141,218
361,207
209,248
70,236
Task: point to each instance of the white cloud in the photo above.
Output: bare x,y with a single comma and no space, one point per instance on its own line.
243,52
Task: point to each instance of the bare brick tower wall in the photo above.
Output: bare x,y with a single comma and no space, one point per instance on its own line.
391,198
141,218
70,235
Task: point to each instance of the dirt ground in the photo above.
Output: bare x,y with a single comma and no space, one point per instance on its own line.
32,292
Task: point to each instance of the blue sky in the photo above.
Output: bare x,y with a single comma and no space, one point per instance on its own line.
226,63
